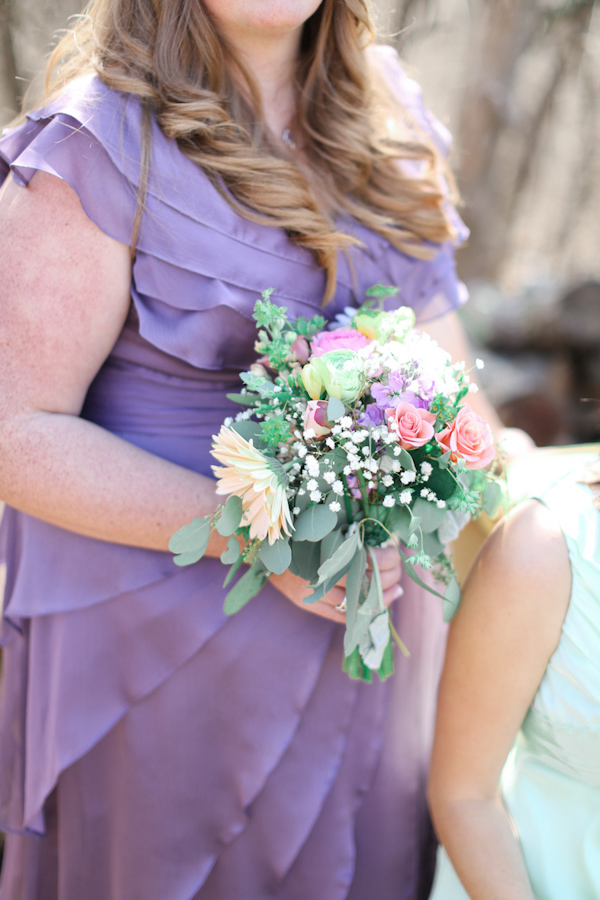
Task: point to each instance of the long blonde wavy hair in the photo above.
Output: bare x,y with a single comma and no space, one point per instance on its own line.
170,54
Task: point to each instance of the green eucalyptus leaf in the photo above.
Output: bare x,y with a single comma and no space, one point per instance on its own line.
243,399
451,600
399,522
443,460
335,409
306,558
190,542
492,495
330,543
430,515
314,523
233,552
354,583
235,566
277,556
406,460
432,545
341,558
245,589
321,589
250,431
231,516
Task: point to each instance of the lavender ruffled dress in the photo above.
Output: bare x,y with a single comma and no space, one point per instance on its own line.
150,747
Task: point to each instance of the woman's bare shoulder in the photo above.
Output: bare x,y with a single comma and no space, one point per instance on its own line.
524,568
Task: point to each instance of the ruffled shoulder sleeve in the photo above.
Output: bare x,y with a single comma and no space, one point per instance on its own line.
63,139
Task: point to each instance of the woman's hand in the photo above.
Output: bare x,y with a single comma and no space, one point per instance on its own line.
296,589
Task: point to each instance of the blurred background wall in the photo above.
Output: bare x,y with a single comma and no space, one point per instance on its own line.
518,84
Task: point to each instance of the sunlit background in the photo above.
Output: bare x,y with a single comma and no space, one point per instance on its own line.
518,84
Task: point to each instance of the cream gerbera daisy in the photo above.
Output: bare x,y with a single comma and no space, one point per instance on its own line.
252,477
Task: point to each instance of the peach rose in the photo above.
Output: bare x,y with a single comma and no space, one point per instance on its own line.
340,339
316,418
470,438
413,426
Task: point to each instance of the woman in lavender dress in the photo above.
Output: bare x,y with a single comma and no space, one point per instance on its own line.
188,155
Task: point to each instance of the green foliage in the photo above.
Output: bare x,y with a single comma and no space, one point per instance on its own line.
444,409
335,409
431,516
255,382
230,517
341,558
306,558
308,327
189,543
277,556
381,292
232,553
250,431
235,566
314,523
245,589
492,494
451,600
243,399
275,430
268,315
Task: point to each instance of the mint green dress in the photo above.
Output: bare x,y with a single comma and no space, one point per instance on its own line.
551,781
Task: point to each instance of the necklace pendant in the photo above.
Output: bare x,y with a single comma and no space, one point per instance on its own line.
288,139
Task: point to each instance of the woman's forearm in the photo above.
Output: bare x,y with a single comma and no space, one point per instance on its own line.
74,474
486,855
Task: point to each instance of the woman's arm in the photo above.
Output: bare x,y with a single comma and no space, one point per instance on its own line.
65,298
507,627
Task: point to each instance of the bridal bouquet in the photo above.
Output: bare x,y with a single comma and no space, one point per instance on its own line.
348,438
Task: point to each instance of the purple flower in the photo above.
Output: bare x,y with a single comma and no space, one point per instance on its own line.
388,396
353,487
385,394
371,417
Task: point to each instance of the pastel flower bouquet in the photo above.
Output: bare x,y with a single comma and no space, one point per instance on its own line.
348,439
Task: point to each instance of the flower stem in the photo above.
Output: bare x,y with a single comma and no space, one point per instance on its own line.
403,648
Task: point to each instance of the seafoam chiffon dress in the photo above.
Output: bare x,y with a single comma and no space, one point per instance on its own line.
551,781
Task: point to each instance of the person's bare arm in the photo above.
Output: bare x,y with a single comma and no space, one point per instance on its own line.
507,627
65,298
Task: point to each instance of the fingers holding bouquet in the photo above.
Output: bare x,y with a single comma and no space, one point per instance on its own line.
354,449
333,605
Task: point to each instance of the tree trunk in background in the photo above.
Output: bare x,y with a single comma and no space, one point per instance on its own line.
501,32
8,85
27,34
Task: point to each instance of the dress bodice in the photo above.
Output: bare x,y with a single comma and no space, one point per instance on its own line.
563,724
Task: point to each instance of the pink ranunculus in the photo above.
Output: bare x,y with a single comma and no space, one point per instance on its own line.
413,426
300,350
316,418
470,438
340,339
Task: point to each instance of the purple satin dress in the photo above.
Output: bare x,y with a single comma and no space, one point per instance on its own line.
150,747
